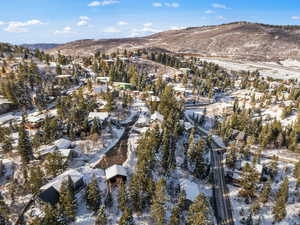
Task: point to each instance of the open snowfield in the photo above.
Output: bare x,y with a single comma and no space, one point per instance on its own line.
288,69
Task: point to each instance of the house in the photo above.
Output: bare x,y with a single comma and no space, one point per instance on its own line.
188,126
109,61
185,70
115,175
157,117
100,89
63,143
7,118
49,193
153,99
101,116
125,86
191,189
5,105
66,76
103,80
35,121
45,150
143,121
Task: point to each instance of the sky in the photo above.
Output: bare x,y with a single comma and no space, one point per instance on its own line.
60,21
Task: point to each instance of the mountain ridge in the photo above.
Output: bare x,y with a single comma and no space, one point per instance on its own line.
238,40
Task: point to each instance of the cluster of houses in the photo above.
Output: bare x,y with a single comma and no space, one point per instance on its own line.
50,192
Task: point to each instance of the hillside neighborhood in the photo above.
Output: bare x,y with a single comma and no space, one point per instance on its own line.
145,137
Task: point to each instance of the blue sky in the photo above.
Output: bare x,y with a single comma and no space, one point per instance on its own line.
59,21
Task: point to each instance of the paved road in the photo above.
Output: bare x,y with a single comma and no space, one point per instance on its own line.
223,211
220,190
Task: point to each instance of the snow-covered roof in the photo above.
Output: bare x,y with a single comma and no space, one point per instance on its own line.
115,170
191,189
37,118
188,125
103,79
157,116
257,167
45,149
63,76
4,101
179,89
153,99
57,181
100,89
6,118
143,120
63,143
98,115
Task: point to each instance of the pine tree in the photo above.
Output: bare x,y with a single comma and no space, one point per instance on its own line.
134,193
67,199
279,209
7,145
101,217
93,194
122,197
182,200
2,168
52,216
198,159
36,221
36,179
158,210
198,212
175,216
4,212
126,218
191,149
109,200
24,144
165,149
264,195
96,127
248,182
54,164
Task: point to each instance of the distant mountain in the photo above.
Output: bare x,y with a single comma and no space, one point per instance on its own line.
41,46
240,40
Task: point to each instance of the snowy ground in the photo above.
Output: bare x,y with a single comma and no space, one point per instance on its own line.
288,69
265,214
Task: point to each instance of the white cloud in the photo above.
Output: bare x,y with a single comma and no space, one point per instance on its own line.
122,23
148,24
177,28
157,4
2,23
20,27
84,18
295,17
151,30
82,23
147,29
111,30
219,6
172,5
221,18
210,11
65,30
103,3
